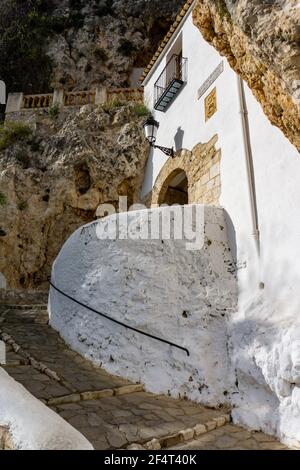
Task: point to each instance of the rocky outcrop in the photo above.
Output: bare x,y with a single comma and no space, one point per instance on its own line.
112,38
78,44
52,182
261,42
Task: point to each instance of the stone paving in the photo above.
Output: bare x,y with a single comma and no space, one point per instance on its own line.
40,360
231,437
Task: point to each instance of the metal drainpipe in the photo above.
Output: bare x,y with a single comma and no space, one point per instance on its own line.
249,162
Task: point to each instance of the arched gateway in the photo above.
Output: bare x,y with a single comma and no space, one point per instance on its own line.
190,177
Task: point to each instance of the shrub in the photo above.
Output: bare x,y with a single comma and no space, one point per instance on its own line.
12,132
113,104
3,200
141,110
24,29
54,112
22,157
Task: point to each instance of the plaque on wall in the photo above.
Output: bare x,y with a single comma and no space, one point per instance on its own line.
211,79
210,104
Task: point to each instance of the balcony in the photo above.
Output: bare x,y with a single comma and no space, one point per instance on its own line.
170,82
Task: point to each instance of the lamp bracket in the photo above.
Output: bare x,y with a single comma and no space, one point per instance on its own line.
167,151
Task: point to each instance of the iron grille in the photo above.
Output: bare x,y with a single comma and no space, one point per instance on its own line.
170,82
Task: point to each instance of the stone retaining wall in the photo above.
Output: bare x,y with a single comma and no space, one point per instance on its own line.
5,439
18,102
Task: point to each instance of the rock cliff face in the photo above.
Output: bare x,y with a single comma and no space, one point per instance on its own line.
78,43
53,181
112,38
261,41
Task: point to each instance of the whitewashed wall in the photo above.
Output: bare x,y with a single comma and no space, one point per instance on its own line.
156,286
265,331
31,424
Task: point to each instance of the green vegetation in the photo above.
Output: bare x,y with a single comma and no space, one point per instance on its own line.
25,26
54,112
3,200
113,104
12,132
22,156
141,110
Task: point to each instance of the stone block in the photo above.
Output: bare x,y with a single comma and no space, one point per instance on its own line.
95,395
73,398
101,95
59,97
214,171
187,434
153,445
210,185
211,425
220,421
172,440
8,442
128,389
14,102
135,447
199,429
204,178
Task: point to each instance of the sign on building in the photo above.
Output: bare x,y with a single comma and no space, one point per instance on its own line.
210,103
211,79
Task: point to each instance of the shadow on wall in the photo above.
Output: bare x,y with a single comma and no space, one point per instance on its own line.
178,139
264,344
255,403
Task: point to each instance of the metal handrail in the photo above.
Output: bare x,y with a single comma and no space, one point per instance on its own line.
117,321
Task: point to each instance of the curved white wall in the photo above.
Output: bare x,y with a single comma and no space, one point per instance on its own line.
157,286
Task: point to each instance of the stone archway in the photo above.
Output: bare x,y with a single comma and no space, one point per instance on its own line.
175,189
201,169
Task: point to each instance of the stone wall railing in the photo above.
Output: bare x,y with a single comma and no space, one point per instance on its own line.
19,102
37,101
79,98
125,94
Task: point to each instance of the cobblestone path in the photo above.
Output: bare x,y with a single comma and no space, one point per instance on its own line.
110,411
231,437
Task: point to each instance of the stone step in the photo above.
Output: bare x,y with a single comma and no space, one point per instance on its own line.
109,411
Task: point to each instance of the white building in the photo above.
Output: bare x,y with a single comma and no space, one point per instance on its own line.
251,170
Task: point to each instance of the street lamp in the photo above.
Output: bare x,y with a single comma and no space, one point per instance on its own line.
151,127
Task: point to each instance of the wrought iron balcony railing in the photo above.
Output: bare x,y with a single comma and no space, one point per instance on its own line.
170,81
